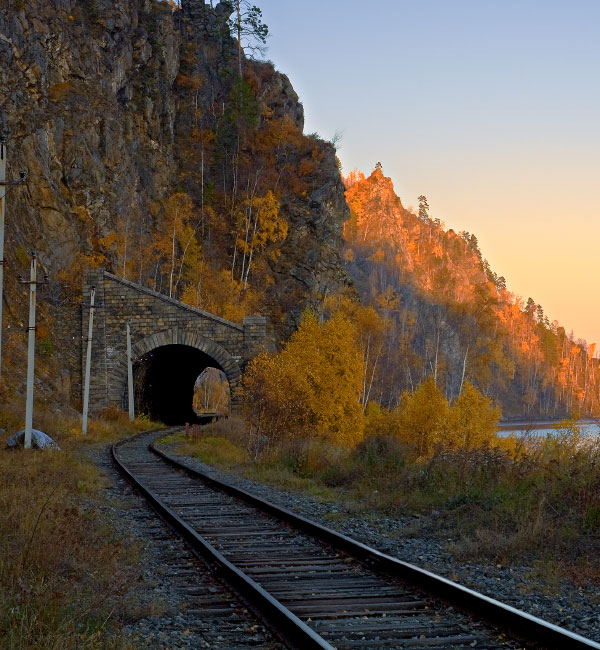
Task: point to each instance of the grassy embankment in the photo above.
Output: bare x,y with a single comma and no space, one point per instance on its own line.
67,575
536,501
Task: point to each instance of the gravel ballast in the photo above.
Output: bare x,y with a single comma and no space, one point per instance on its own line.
181,604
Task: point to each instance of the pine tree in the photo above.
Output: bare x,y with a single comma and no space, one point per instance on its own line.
247,25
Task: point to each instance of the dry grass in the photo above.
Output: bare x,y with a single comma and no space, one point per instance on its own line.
113,424
213,450
232,428
67,576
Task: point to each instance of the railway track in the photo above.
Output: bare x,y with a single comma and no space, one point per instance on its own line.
316,588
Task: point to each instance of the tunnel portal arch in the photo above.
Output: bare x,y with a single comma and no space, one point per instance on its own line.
158,322
166,366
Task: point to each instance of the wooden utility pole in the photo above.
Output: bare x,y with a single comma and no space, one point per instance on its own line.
31,350
130,375
88,363
2,218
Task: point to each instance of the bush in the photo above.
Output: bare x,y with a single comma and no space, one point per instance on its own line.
310,389
473,419
422,418
382,453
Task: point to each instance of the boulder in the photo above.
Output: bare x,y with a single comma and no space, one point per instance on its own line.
38,439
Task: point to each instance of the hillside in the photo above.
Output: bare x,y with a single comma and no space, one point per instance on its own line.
149,155
452,317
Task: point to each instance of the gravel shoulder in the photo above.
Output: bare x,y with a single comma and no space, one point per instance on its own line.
559,602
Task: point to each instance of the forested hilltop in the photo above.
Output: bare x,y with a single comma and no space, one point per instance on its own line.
451,317
157,150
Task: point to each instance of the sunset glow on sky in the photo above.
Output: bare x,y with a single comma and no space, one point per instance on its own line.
489,109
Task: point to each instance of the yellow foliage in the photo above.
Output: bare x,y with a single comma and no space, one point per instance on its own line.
473,419
176,244
379,421
185,81
216,292
258,226
71,277
312,387
378,256
425,420
422,418
370,329
211,392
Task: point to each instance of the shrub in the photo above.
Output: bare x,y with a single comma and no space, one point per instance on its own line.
311,388
422,418
473,419
382,453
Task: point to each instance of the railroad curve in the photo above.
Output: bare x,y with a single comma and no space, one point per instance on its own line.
317,588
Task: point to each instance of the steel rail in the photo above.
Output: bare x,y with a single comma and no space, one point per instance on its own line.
295,632
522,625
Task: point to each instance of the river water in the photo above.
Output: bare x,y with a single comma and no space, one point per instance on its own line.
587,428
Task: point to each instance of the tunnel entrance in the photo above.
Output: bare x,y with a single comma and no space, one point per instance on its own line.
164,381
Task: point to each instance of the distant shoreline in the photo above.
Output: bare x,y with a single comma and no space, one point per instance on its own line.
538,424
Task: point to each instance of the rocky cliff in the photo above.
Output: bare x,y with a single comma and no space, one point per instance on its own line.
114,105
86,97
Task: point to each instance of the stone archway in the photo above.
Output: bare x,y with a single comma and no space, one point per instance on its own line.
166,366
157,321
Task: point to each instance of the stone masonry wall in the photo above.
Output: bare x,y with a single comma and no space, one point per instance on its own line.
156,320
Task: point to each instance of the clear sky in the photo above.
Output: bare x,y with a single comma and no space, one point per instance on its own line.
491,109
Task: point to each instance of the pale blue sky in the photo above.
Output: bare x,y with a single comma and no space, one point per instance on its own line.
489,108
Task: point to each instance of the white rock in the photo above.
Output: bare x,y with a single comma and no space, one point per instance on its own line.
38,439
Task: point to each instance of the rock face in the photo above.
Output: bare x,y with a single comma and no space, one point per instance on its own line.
89,99
85,95
94,98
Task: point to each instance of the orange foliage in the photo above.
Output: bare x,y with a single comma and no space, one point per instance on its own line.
504,345
312,387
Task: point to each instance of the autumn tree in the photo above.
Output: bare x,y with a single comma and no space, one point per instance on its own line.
259,225
176,247
370,331
312,387
473,419
211,392
422,418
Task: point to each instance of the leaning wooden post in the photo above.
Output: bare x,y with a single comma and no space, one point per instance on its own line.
31,351
2,213
130,375
88,364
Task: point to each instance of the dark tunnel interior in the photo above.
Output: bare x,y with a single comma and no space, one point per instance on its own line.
164,382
